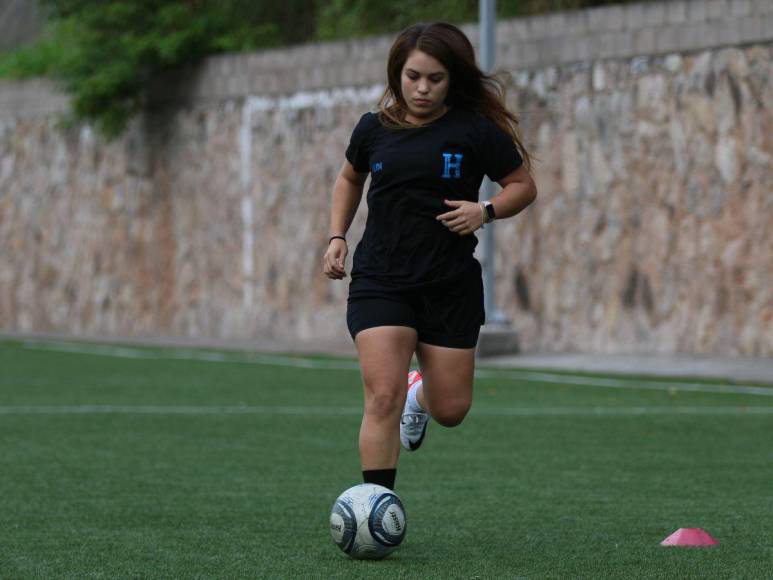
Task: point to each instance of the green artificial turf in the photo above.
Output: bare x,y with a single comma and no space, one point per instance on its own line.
160,463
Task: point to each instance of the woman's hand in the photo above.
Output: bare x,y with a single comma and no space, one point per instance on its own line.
334,259
465,219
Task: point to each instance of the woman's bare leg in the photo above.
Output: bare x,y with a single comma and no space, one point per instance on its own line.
447,373
385,355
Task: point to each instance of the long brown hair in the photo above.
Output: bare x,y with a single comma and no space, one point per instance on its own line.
469,88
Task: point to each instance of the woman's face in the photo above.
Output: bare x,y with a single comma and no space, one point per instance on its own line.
424,84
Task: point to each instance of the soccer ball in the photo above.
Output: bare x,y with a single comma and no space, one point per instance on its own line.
367,522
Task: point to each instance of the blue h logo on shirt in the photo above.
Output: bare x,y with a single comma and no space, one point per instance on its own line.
377,167
455,166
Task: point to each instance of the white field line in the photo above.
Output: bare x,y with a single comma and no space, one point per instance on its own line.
194,354
584,381
299,362
354,411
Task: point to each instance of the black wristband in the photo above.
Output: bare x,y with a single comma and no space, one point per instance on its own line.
490,211
336,238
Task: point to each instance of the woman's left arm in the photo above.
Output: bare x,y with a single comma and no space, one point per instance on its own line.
518,191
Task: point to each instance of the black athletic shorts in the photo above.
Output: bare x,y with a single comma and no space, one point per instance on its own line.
447,315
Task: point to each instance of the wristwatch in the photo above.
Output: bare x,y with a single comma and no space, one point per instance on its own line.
490,213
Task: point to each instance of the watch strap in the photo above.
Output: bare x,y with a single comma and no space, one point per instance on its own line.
490,211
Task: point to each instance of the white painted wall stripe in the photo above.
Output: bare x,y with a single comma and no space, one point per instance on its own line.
248,237
319,99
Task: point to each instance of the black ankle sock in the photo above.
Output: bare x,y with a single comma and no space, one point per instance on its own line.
385,477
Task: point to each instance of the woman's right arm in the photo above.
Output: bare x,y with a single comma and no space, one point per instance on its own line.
347,193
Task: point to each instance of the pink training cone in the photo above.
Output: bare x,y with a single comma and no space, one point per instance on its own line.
689,537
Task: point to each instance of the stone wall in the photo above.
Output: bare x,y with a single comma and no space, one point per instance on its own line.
652,128
652,232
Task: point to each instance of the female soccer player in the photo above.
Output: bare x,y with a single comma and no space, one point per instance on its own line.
415,285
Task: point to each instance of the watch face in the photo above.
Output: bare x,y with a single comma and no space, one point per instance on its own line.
490,211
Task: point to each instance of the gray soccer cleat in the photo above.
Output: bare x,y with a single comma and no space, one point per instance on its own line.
413,425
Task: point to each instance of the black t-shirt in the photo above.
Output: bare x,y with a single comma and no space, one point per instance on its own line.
412,171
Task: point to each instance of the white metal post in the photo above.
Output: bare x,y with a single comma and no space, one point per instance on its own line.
487,52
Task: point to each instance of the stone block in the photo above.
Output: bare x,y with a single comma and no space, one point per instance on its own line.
576,23
256,84
556,25
598,19
622,44
365,51
366,72
231,64
616,18
289,58
274,84
568,49
500,54
348,77
644,41
605,45
209,67
717,9
762,7
634,16
242,65
282,83
253,62
336,52
754,29
696,11
275,59
725,34
741,8
692,36
314,54
678,41
710,34
519,29
676,12
505,32
317,77
529,54
654,14
231,87
550,51
585,49
510,58
538,27
667,38
382,55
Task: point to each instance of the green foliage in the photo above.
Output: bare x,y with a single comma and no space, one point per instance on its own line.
40,59
106,53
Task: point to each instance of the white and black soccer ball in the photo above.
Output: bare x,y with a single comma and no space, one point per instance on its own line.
368,522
